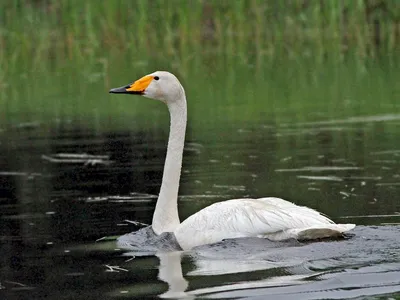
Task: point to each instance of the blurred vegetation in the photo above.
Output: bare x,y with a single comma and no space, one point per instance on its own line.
59,57
36,33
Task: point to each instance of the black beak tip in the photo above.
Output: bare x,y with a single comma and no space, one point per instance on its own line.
117,90
122,90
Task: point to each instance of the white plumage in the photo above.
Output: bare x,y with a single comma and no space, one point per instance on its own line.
271,218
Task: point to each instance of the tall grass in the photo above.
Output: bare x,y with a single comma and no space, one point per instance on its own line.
55,55
41,33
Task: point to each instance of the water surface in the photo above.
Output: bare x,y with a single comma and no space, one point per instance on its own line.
68,181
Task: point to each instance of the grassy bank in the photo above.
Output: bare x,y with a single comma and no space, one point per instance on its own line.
58,58
41,33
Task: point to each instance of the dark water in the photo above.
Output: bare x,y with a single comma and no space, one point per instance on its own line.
63,187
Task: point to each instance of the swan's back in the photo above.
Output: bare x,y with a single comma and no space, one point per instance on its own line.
272,218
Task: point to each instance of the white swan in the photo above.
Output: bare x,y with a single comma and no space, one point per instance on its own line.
271,218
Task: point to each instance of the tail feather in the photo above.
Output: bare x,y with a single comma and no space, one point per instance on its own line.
312,233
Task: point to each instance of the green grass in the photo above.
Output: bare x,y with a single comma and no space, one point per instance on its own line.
44,33
299,59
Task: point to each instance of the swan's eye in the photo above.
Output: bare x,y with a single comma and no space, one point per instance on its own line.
156,77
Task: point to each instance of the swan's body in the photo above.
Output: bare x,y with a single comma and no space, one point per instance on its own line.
271,218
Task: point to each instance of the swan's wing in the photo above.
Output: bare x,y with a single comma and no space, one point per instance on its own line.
273,218
317,225
278,202
302,211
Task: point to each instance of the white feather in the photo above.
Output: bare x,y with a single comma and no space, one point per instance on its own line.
272,218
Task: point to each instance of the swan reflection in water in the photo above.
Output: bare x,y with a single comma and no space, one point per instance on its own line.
170,271
364,264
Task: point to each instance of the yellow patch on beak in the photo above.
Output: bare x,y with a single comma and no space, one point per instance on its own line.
140,85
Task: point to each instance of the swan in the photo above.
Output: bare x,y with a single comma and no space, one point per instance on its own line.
272,218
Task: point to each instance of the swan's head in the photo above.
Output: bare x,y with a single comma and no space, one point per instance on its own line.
160,85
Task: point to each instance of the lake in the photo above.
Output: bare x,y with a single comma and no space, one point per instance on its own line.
79,167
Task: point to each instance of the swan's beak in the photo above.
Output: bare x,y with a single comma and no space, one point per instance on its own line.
137,88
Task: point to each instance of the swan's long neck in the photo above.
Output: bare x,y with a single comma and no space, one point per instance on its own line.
166,218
